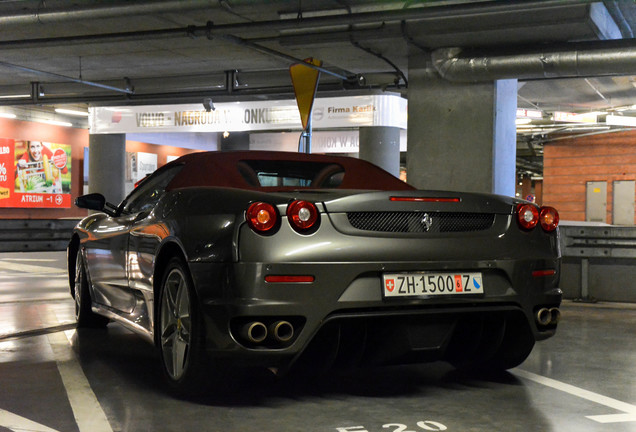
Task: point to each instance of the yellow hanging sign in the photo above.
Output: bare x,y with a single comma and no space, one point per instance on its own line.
305,82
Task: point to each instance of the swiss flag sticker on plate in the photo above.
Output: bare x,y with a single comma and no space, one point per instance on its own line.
390,285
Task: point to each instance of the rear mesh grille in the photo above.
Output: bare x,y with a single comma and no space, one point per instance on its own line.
420,222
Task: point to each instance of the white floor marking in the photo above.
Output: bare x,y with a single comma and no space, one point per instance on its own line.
29,268
89,415
29,259
629,411
20,424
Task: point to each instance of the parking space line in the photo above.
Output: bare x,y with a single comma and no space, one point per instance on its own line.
629,411
89,415
16,423
29,268
29,259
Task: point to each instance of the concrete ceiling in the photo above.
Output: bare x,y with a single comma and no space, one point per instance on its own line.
61,52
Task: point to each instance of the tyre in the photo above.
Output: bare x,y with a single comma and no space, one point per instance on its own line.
84,316
180,328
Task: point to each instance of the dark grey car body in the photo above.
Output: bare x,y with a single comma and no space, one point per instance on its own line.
379,226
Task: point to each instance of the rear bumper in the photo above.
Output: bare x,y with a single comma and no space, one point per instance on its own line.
346,300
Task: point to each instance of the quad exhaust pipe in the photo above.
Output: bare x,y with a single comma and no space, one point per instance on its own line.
547,316
257,332
281,331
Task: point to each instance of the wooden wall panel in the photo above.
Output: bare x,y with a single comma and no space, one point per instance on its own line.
570,163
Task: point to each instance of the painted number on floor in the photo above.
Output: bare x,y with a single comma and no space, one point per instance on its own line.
426,425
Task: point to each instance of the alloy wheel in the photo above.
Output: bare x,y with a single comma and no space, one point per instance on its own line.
176,324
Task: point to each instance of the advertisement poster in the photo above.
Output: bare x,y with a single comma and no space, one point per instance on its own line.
34,174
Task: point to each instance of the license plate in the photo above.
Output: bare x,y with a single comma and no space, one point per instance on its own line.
431,284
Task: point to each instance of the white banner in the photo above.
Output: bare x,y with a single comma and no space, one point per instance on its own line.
343,141
344,112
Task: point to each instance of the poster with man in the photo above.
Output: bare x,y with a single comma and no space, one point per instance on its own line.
35,174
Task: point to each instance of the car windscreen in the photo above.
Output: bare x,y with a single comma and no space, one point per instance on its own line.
281,173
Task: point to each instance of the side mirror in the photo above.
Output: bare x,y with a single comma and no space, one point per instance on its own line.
92,201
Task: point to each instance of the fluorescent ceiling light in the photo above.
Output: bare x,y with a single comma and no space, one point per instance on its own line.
589,117
620,120
71,112
55,123
16,96
8,115
523,121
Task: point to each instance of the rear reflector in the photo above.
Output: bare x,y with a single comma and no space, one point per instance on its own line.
425,199
543,273
288,279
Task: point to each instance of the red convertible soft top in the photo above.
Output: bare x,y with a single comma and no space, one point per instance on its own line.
267,171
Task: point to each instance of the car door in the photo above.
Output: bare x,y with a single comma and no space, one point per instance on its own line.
146,231
111,261
106,256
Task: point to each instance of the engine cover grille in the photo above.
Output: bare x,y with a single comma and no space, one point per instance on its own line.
420,222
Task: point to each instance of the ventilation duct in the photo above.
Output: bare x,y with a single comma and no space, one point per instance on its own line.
599,58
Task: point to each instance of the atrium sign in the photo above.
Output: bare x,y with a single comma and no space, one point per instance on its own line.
345,112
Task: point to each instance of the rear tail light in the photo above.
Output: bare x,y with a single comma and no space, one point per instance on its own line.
303,216
262,217
529,215
549,218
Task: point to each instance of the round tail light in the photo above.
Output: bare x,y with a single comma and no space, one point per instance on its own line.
527,216
549,218
303,215
261,217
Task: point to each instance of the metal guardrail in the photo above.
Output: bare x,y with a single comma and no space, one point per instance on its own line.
598,241
601,259
29,235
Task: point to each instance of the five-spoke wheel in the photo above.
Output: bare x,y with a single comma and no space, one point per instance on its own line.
180,337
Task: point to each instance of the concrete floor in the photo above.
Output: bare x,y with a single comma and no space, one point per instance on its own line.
53,378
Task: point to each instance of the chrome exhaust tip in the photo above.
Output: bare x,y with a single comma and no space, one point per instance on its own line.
543,316
282,331
555,315
254,332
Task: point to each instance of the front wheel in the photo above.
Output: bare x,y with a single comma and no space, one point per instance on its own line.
180,331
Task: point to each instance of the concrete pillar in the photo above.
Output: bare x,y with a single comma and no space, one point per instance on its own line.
380,145
107,165
505,140
461,136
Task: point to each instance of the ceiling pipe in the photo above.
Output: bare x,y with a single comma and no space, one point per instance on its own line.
65,78
273,27
167,97
46,15
284,57
598,58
